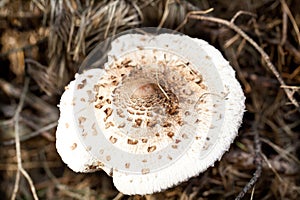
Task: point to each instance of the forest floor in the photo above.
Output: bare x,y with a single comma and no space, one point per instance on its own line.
42,44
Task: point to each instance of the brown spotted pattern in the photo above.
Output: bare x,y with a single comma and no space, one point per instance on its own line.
141,107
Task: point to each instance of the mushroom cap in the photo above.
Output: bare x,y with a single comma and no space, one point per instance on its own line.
163,108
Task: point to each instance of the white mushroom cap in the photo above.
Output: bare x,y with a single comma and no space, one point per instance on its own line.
77,96
163,109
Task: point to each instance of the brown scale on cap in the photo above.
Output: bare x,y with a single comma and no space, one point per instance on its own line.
151,149
132,142
81,85
113,139
144,140
138,122
108,112
81,120
109,124
170,134
145,171
74,145
127,165
108,158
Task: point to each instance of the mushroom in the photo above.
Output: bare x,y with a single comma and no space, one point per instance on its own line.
159,109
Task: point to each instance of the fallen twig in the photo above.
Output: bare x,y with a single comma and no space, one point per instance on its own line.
31,135
32,100
65,189
198,15
287,11
18,147
257,160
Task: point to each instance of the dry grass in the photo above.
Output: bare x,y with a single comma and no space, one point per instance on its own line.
45,42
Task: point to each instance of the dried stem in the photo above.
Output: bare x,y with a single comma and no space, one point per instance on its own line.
18,147
31,135
163,91
31,99
258,163
286,10
165,14
119,196
65,189
239,13
266,58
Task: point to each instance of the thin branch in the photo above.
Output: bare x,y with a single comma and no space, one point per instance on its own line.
16,185
293,21
163,91
112,10
196,12
32,100
257,161
18,147
31,135
65,189
284,28
239,13
119,196
266,58
165,14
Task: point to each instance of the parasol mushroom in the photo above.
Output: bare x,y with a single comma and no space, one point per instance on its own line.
152,111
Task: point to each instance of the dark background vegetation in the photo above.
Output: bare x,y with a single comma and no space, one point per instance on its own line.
44,42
